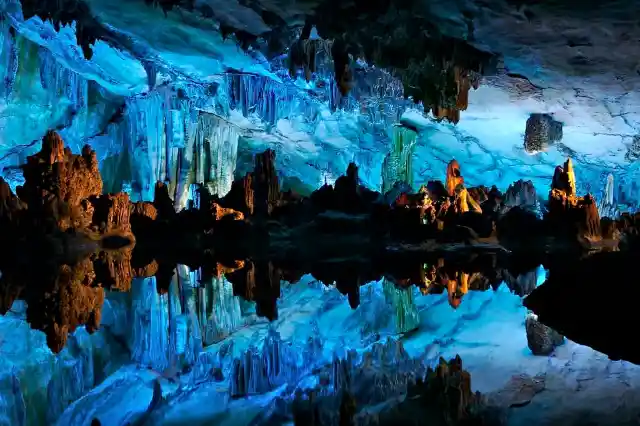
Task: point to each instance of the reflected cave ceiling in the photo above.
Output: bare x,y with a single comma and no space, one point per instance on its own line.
578,64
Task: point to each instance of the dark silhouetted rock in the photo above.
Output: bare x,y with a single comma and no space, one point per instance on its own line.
542,340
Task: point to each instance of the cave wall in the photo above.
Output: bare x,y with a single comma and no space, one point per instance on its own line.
144,111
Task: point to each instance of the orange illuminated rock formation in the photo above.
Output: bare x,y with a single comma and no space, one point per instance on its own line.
220,212
454,177
58,185
464,81
564,179
569,214
112,214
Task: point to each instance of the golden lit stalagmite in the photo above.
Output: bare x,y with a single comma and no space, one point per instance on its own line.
454,177
569,213
455,187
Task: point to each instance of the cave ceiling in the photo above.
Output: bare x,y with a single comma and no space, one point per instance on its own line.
578,63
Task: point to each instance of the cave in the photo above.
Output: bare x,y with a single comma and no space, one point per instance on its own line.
315,212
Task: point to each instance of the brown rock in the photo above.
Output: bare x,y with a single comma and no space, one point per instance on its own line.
113,269
144,209
220,212
71,299
589,220
564,179
58,184
112,214
146,271
10,206
454,177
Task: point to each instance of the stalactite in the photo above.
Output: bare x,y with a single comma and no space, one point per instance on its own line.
61,82
27,67
216,143
269,100
397,165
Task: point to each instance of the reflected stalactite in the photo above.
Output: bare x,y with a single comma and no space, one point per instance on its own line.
149,339
258,282
222,313
402,300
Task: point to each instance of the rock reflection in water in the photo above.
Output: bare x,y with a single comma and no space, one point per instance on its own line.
175,324
208,298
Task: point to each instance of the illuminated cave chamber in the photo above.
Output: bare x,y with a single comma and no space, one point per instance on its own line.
256,116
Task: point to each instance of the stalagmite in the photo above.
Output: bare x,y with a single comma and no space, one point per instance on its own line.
454,177
568,213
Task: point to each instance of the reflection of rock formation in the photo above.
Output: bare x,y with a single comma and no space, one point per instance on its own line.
259,282
70,299
386,378
61,297
542,340
575,301
406,311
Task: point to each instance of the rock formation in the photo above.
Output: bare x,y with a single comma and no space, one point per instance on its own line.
541,131
569,214
542,340
454,177
521,194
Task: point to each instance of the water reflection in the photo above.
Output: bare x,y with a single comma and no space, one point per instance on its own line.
177,309
286,322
